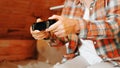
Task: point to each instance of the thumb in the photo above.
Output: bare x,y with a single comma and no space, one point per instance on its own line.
55,17
39,20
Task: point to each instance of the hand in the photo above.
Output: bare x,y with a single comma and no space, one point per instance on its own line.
64,26
39,34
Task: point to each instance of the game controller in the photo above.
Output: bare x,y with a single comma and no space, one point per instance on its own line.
43,24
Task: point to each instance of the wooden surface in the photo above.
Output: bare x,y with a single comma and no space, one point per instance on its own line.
16,16
13,50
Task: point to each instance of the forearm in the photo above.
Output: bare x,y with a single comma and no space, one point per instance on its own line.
100,29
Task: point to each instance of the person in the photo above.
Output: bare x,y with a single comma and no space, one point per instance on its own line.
95,20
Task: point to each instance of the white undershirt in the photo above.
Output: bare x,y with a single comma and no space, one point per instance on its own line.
87,49
87,14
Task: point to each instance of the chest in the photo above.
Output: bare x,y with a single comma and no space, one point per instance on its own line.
96,9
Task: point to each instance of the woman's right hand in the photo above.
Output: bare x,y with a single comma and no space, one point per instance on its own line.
38,35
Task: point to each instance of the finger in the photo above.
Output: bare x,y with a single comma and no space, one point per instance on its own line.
55,17
38,20
59,28
40,37
42,33
31,29
60,33
53,27
36,32
36,36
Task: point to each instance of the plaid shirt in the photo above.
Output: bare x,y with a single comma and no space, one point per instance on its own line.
103,26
